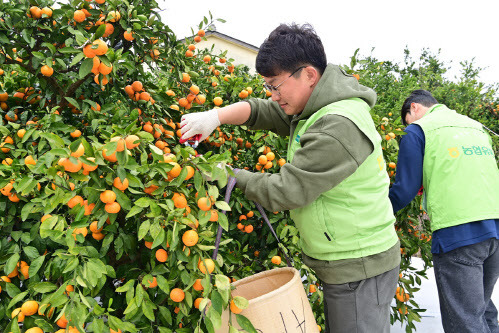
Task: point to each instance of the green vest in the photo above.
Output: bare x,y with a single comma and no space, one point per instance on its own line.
355,218
460,174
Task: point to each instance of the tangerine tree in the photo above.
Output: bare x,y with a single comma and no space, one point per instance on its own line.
107,224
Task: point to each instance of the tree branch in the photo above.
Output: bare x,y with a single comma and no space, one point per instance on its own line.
50,80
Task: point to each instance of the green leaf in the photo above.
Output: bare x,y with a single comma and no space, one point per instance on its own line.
23,183
222,220
156,150
163,284
139,295
78,58
159,238
71,265
134,211
222,282
205,247
31,252
35,265
143,202
39,55
44,325
54,140
27,186
245,324
70,50
114,322
127,286
27,37
122,199
100,31
84,300
241,302
28,134
11,263
222,205
76,105
148,309
98,325
144,228
217,301
86,67
11,289
43,287
50,47
132,306
58,298
165,314
215,317
16,299
155,209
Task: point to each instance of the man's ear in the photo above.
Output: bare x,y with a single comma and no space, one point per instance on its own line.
312,75
415,108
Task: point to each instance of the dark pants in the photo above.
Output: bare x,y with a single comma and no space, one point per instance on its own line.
361,306
465,280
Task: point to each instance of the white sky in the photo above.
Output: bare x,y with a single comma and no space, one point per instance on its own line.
461,30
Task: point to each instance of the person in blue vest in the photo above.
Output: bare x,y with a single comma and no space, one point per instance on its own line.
451,156
335,183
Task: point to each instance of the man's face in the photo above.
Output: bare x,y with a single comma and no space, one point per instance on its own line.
293,91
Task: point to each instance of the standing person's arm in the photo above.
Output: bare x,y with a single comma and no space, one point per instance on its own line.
234,114
255,113
409,177
204,123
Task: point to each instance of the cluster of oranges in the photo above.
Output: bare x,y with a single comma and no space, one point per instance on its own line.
93,50
402,295
265,161
109,198
193,97
390,136
136,92
30,308
6,190
36,12
245,92
22,94
201,33
248,228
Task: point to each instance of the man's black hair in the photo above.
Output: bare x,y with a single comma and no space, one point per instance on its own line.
288,47
420,96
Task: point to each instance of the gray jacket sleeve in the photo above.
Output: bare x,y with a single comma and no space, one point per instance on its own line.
267,115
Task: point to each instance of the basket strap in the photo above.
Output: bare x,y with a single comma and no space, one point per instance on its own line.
228,191
283,248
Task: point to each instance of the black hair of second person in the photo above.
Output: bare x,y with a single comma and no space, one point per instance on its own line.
419,96
288,47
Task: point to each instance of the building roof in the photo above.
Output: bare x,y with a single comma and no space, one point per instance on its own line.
229,39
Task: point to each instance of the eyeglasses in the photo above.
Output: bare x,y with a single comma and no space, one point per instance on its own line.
274,89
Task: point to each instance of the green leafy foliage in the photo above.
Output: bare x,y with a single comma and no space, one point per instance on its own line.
61,147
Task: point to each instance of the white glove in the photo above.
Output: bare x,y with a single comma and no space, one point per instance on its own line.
203,123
